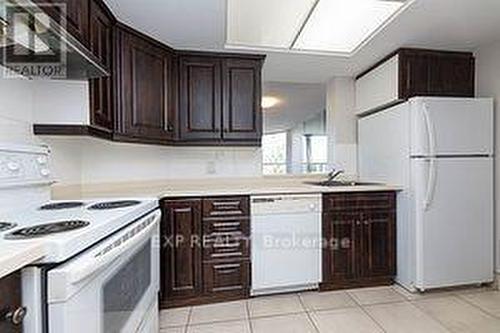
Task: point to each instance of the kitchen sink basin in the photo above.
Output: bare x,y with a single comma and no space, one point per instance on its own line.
340,183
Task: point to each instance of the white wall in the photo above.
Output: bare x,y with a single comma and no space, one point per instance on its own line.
88,160
488,85
341,124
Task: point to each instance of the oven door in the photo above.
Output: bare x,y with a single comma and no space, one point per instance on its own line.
111,287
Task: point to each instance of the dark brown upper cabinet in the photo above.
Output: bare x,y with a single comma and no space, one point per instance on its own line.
101,45
77,16
408,73
200,98
157,95
220,99
242,116
146,106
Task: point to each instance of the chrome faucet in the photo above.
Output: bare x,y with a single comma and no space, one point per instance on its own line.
332,175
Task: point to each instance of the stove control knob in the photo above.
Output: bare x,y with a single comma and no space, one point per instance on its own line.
13,166
42,160
16,317
45,172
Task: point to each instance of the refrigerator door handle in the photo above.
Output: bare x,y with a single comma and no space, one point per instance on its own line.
431,180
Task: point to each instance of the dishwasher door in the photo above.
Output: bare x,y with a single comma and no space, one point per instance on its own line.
286,243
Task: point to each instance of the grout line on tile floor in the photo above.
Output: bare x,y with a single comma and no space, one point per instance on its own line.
189,319
360,306
308,314
443,326
247,307
477,306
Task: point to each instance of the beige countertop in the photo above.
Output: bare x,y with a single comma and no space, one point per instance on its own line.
14,256
208,187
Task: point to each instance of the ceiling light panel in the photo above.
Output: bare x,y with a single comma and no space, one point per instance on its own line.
341,26
265,23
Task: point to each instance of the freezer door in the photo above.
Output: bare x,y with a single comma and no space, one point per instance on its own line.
451,126
454,221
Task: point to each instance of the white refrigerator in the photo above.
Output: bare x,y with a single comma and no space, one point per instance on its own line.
441,151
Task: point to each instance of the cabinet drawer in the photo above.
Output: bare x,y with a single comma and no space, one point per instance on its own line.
226,246
366,200
227,225
226,277
226,206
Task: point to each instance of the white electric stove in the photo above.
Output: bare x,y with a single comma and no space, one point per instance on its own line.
69,227
101,271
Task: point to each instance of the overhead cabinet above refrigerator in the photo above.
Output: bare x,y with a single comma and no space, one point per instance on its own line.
408,73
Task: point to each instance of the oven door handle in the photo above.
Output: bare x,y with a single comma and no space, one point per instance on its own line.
116,248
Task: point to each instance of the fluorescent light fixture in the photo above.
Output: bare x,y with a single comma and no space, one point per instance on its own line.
265,23
269,102
313,26
343,25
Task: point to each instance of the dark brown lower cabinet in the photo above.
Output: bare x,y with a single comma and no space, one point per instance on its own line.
11,310
360,229
206,256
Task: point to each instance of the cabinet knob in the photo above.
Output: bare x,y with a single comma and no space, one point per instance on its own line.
366,222
358,222
16,317
170,128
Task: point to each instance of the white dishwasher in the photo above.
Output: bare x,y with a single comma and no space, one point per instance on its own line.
286,243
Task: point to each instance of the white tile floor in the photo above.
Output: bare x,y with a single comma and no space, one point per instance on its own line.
384,309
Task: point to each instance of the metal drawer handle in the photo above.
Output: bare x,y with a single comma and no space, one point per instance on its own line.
226,224
231,245
16,317
226,266
229,254
227,212
225,203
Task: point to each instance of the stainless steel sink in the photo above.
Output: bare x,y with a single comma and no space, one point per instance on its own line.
340,183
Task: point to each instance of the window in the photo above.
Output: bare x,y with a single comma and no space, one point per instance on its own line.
274,153
315,153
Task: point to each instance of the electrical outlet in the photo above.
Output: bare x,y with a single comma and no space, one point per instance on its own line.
211,168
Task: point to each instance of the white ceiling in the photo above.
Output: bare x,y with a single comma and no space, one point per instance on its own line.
200,24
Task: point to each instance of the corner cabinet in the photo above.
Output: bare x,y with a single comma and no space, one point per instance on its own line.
407,73
205,256
220,99
145,103
155,94
360,229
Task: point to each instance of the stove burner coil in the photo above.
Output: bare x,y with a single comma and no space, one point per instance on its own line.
6,226
114,204
61,205
46,229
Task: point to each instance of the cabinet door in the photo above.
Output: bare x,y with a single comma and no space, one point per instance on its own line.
146,109
414,75
452,75
200,98
242,99
378,247
10,302
339,256
101,44
226,277
77,16
181,250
